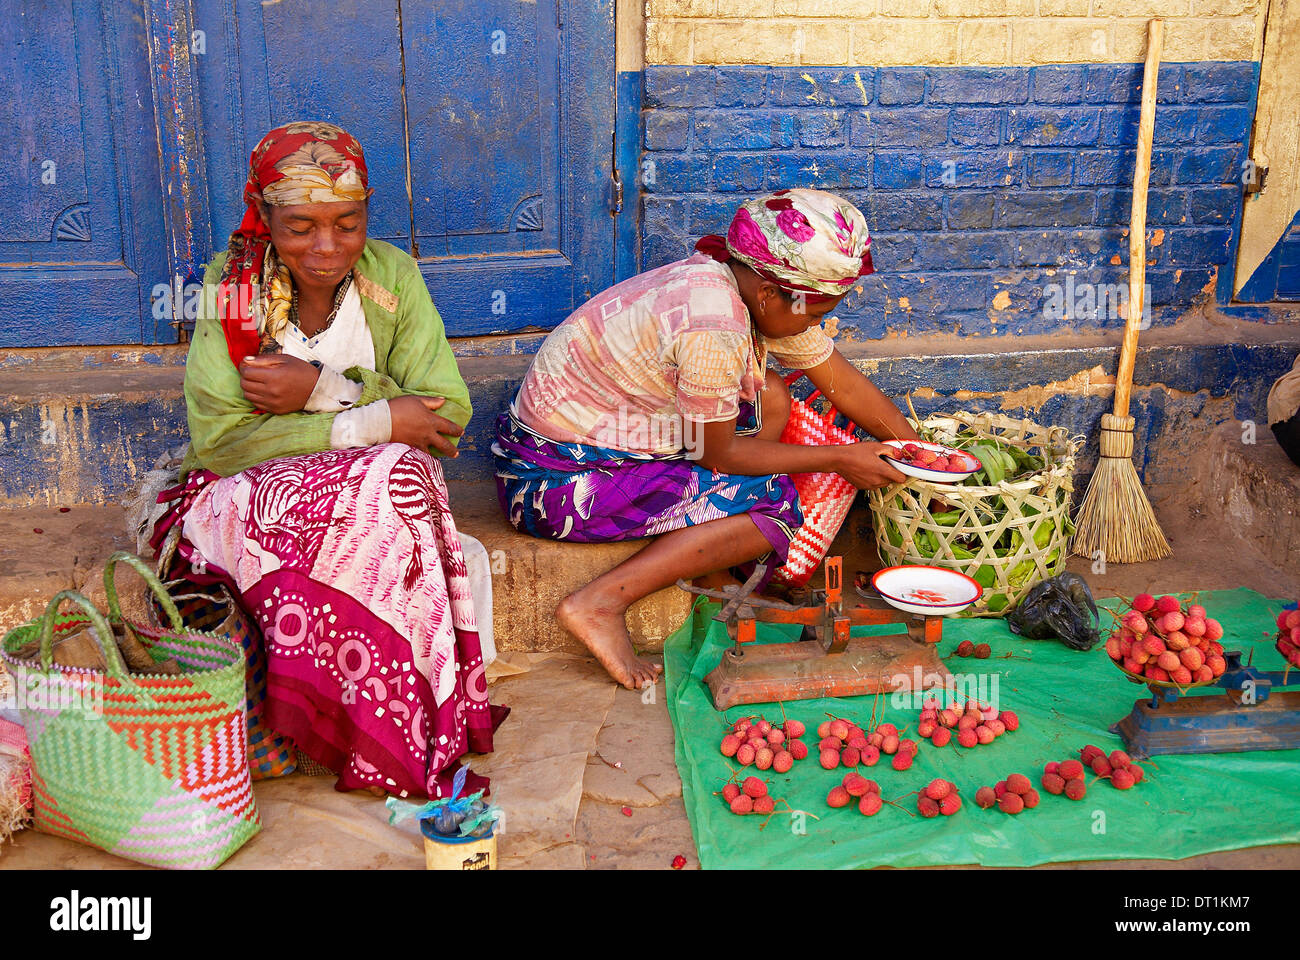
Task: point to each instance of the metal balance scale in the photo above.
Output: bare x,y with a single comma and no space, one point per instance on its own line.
1245,713
825,661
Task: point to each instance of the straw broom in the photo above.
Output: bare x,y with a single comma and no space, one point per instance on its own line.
1116,517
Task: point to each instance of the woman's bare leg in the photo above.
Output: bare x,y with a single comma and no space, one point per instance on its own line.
597,614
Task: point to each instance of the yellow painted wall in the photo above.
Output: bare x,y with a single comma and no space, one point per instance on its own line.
939,32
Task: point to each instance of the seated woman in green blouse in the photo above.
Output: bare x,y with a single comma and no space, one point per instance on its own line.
320,390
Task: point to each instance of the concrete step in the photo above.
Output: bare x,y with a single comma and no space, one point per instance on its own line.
531,576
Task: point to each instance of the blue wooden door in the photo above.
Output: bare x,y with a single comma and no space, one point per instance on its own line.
487,125
83,245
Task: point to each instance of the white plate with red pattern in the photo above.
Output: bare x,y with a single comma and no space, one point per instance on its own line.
934,591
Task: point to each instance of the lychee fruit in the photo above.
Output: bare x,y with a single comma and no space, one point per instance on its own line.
985,797
967,737
730,792
856,784
745,755
1143,602
1019,783
742,804
1070,769
850,757
870,804
941,737
764,805
950,804
1011,802
929,808
1009,720
830,759
1121,779
794,728
938,788
798,749
783,761
838,797
870,756
1076,789
1054,783
753,787
902,760
983,651
763,758
730,744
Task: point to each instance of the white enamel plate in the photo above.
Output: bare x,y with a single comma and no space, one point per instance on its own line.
970,463
927,590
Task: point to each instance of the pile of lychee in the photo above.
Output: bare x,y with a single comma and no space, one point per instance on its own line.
939,797
843,742
917,456
856,786
756,741
976,723
1159,640
751,796
1013,795
1065,777
1288,636
1118,767
979,651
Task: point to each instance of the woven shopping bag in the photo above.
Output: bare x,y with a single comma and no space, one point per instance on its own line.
213,609
150,767
824,498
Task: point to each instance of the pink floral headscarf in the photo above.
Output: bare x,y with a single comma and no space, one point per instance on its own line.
806,241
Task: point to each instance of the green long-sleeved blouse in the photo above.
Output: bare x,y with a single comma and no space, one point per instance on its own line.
412,356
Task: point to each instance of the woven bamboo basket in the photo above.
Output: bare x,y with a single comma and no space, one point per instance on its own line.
1034,510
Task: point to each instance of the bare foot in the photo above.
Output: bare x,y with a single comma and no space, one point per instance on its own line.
605,635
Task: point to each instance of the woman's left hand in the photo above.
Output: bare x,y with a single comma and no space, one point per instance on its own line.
277,382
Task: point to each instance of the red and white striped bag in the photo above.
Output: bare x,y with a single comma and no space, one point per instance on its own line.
824,498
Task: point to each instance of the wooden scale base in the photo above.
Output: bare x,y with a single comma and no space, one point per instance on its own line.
826,661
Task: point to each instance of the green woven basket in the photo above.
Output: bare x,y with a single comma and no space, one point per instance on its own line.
151,767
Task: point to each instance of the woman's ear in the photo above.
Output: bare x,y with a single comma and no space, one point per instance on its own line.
264,209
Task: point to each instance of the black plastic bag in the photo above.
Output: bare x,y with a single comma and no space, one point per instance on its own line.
1060,607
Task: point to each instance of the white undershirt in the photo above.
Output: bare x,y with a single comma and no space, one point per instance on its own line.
345,343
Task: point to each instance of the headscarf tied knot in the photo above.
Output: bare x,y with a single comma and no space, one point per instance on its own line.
805,241
302,162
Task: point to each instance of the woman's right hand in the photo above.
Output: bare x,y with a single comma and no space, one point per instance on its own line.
415,424
861,465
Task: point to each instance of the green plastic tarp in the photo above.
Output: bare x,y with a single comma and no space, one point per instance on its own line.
1188,805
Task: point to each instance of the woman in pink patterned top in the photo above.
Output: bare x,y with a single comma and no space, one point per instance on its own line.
650,412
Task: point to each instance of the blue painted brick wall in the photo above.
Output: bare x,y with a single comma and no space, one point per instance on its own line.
976,182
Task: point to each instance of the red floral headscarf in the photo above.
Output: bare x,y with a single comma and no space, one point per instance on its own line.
805,241
302,162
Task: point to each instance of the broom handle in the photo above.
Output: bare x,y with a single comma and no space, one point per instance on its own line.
1137,234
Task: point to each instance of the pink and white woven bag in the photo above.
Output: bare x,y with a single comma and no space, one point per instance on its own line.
824,498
